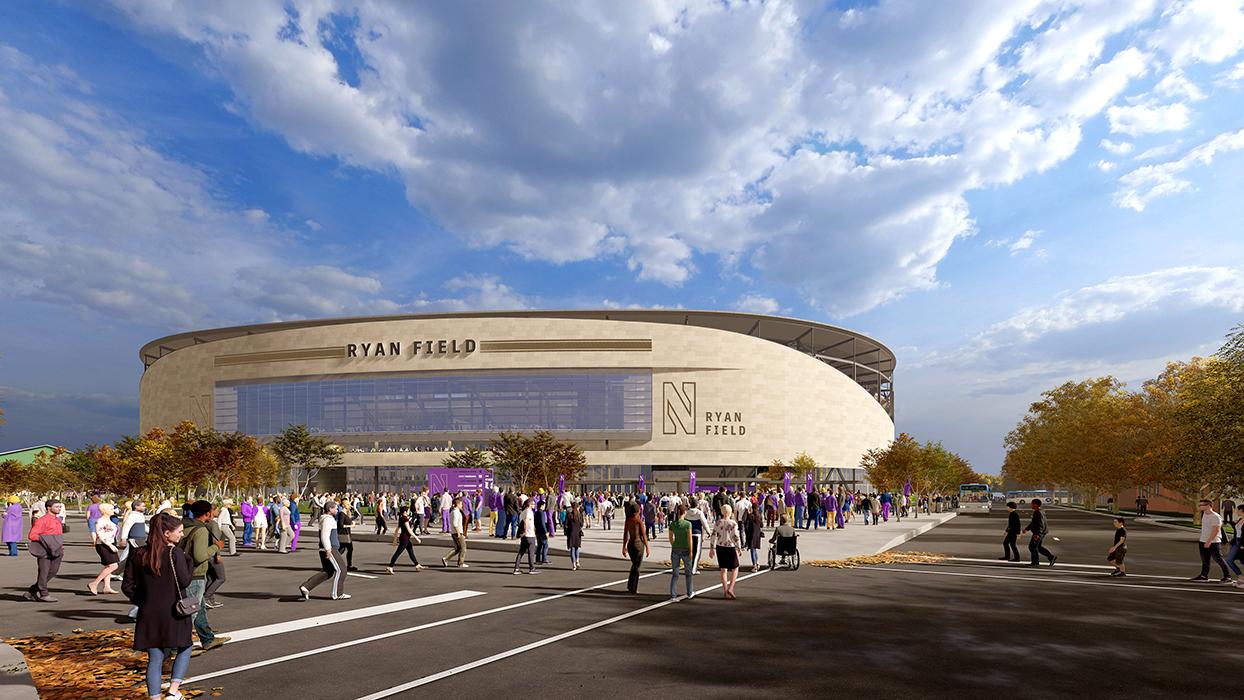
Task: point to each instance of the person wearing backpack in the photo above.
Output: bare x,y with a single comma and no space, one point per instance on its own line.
197,542
1039,529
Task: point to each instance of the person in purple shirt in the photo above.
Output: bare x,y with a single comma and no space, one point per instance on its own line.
13,524
801,504
92,517
830,503
248,510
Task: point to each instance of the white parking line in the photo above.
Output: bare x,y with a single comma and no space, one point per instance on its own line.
351,573
534,645
407,630
344,616
1062,581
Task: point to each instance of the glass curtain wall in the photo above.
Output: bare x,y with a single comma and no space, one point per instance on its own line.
476,403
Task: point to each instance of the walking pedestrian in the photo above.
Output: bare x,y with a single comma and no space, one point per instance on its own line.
680,552
1039,529
1237,538
726,549
457,531
1211,530
345,524
574,535
753,533
295,521
260,523
542,533
197,542
606,513
404,539
216,565
225,521
635,546
699,525
382,527
106,548
332,565
1118,551
47,546
285,516
526,536
155,578
1011,535
92,517
13,524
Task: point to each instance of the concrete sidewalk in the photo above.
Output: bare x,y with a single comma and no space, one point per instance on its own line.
855,539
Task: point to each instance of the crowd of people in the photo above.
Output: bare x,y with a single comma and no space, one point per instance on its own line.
170,558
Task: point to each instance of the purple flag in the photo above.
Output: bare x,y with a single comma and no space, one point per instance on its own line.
641,483
786,483
810,484
907,487
692,472
561,483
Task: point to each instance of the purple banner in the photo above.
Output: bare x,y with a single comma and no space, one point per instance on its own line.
641,483
907,488
692,487
561,483
786,482
455,480
811,486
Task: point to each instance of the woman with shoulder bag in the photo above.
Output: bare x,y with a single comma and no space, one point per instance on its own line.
726,550
106,548
156,577
402,538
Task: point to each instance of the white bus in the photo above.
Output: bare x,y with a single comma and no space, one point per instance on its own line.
975,498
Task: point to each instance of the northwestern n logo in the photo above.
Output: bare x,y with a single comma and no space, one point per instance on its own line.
679,408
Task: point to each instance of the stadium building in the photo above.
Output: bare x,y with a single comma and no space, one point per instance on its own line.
656,393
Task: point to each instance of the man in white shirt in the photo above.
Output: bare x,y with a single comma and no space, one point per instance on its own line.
446,503
1211,532
526,536
457,531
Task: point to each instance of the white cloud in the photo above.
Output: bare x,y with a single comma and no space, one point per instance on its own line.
1176,85
1105,165
312,224
1201,31
475,293
757,304
659,134
95,219
1136,120
1160,151
1119,148
1232,76
1144,184
1024,242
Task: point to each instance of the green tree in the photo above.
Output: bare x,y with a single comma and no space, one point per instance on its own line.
302,455
472,458
509,459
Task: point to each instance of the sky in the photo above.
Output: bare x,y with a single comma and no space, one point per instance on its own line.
1008,194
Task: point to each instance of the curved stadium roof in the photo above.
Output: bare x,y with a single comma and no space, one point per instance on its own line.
866,361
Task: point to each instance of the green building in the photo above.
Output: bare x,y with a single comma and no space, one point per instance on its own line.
26,455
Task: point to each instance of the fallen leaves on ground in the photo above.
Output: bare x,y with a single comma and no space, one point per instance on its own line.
96,665
879,560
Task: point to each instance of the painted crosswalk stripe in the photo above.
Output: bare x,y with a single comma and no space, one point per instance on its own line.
344,616
407,630
534,645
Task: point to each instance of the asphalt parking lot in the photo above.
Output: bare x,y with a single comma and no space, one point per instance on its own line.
965,628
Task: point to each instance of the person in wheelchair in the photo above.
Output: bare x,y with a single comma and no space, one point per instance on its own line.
784,540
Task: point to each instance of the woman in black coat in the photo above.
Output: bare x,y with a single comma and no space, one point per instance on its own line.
754,535
155,578
574,535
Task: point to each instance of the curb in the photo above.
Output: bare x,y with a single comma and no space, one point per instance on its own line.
15,680
907,536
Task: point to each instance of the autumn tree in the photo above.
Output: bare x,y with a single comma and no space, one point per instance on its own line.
538,461
302,455
509,461
472,458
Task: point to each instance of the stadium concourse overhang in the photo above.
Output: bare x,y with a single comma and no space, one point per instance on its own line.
654,393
